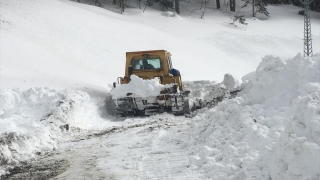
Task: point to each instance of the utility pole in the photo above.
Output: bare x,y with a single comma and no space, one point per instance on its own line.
307,41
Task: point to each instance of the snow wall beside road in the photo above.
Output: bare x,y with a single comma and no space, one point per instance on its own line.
271,130
35,120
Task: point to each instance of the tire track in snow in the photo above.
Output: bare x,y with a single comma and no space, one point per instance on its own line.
75,162
167,159
148,148
170,164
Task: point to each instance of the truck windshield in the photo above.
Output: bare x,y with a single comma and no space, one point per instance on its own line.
147,63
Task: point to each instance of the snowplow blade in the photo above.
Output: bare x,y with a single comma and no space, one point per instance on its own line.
135,106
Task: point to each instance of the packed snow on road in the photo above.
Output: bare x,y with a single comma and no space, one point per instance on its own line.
58,60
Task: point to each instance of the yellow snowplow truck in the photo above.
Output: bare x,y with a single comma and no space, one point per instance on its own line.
149,65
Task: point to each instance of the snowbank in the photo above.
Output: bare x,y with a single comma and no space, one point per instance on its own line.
37,119
230,82
139,87
271,130
207,90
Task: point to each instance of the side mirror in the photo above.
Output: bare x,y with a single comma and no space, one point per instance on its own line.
130,70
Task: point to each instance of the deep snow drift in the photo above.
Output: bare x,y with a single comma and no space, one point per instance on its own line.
35,120
271,130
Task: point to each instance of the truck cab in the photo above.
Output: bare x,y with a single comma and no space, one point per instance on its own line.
151,64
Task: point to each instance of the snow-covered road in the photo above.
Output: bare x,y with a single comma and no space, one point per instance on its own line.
141,148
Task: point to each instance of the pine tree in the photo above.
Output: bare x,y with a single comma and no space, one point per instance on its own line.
240,19
258,6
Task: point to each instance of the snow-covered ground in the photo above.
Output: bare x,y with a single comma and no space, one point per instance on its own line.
58,59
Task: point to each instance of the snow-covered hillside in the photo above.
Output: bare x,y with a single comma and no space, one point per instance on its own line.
65,44
58,59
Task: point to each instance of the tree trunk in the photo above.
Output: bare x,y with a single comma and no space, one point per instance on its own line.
218,4
122,6
252,8
176,5
97,3
232,5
